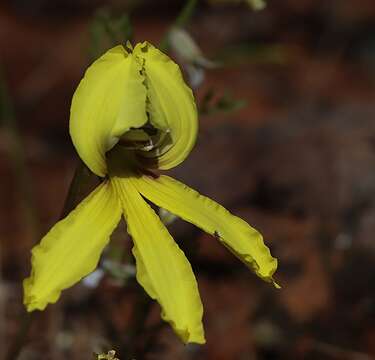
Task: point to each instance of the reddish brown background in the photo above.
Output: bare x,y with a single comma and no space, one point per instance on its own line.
297,162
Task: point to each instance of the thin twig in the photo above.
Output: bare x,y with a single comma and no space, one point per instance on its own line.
19,340
143,306
81,183
17,159
182,19
340,353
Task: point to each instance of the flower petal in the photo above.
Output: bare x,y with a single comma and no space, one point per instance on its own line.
110,99
238,236
72,248
162,268
171,105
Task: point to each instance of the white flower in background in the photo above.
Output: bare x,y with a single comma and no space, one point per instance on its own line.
190,55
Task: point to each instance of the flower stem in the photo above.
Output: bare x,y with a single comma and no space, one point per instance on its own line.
137,325
17,159
80,184
20,339
182,19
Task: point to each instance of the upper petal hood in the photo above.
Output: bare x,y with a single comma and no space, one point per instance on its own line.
110,99
171,105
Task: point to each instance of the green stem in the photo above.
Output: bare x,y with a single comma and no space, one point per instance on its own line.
17,159
20,339
80,184
182,19
137,324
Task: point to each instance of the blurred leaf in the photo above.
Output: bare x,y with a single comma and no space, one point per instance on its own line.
107,30
206,101
228,104
225,104
182,20
254,53
255,4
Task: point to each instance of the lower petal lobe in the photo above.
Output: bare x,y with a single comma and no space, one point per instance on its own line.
238,236
72,248
162,268
109,100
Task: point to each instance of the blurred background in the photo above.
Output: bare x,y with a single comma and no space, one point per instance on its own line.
287,141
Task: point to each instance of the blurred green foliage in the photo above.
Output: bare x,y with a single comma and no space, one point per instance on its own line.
226,103
107,30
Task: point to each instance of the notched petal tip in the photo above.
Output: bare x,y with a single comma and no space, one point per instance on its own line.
275,284
190,338
187,333
32,301
29,299
234,233
143,47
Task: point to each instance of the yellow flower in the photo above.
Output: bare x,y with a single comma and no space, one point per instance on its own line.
132,113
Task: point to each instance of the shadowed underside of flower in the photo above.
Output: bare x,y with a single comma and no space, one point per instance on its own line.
131,115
